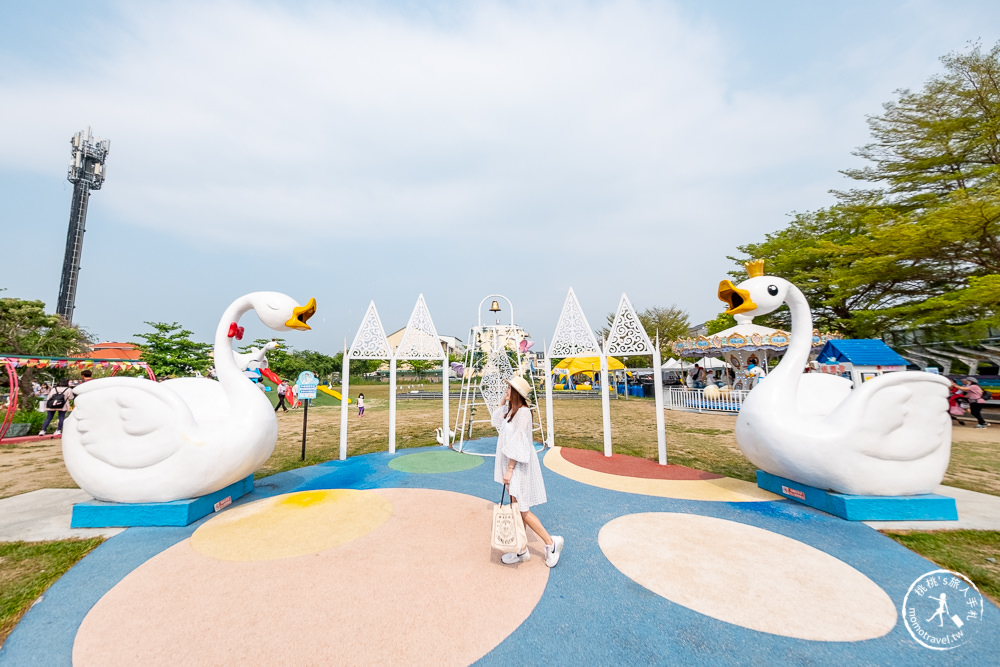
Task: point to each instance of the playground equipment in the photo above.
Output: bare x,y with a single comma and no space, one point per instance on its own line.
182,438
890,436
493,353
332,392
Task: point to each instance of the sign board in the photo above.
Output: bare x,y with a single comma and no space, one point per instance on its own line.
307,383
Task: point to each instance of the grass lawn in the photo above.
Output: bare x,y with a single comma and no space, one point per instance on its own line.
964,551
703,441
27,569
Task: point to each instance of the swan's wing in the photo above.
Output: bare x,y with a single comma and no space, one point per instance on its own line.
903,415
820,393
129,422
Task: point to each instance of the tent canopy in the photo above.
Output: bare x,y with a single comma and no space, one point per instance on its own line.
574,365
709,363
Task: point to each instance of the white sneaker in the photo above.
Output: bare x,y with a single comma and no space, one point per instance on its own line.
58,431
553,552
514,558
42,432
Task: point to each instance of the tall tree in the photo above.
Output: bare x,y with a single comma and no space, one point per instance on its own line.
26,329
170,352
918,245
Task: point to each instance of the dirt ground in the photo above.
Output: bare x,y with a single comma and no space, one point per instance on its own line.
704,441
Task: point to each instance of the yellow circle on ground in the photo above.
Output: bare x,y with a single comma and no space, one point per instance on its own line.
725,489
748,576
293,524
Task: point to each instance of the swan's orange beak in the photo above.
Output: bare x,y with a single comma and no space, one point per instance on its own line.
737,299
300,314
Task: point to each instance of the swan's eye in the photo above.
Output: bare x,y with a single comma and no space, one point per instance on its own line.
772,290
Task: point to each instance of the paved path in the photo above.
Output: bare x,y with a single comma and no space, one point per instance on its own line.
385,558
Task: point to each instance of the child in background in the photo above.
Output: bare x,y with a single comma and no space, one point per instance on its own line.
361,405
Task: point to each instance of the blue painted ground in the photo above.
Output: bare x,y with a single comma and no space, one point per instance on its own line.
590,612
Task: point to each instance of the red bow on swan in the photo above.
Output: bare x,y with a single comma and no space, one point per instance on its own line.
235,331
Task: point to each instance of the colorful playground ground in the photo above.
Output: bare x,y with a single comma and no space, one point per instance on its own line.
385,559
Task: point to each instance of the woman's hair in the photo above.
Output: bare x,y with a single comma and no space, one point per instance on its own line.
64,382
516,402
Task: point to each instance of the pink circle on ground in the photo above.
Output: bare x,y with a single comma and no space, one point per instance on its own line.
423,587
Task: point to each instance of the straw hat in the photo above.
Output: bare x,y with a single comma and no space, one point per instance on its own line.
521,386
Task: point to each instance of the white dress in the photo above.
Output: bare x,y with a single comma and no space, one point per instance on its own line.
514,443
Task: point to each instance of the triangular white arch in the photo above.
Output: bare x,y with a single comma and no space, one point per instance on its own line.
573,336
627,335
370,342
420,339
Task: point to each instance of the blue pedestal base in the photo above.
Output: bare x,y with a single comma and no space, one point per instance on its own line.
930,507
100,514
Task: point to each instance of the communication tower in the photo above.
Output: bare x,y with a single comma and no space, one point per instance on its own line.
86,173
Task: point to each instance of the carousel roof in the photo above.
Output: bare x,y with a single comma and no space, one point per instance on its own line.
744,337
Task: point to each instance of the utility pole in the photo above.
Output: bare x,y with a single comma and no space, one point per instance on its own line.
86,173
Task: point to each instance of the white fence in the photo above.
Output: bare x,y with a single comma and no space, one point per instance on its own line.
694,400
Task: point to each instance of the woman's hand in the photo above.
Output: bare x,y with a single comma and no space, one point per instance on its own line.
507,476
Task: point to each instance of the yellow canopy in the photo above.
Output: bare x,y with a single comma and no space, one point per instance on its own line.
574,365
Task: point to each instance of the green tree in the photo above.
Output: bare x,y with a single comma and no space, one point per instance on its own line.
170,352
720,322
26,329
421,366
919,245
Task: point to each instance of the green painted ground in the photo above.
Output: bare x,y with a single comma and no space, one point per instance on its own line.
431,462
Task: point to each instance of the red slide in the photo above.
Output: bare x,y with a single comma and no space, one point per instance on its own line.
269,374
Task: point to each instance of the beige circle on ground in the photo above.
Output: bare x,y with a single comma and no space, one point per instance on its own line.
291,524
725,490
748,576
424,587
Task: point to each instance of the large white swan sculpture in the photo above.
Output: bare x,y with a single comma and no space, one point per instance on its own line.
130,440
890,436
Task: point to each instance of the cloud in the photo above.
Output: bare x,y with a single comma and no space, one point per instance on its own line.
362,122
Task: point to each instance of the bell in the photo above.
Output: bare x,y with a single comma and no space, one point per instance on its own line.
495,307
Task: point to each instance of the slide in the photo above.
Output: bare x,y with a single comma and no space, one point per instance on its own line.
269,374
336,394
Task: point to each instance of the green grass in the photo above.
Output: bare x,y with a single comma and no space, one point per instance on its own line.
27,569
963,551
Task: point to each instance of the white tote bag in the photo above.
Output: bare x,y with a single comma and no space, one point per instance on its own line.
508,527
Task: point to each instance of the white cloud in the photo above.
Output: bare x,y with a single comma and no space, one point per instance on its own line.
227,119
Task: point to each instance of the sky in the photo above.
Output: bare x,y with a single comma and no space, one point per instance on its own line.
360,151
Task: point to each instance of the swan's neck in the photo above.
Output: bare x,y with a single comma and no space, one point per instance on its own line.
797,355
225,366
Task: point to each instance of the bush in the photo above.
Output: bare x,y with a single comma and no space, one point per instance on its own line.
33,417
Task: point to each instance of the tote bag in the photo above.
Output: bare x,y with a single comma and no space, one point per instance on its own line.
508,527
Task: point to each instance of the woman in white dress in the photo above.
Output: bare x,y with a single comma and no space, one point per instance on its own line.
517,465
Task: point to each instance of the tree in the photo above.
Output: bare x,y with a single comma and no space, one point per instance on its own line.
421,366
917,247
170,352
26,329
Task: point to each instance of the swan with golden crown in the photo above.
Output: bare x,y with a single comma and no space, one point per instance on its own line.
889,436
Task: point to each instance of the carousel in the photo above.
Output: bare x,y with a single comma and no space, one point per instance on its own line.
742,345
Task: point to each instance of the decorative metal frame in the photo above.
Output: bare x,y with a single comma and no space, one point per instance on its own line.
627,336
370,342
496,372
420,339
573,336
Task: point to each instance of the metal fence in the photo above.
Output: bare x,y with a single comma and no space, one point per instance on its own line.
694,400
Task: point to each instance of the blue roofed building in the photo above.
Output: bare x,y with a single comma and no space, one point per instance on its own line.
859,359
